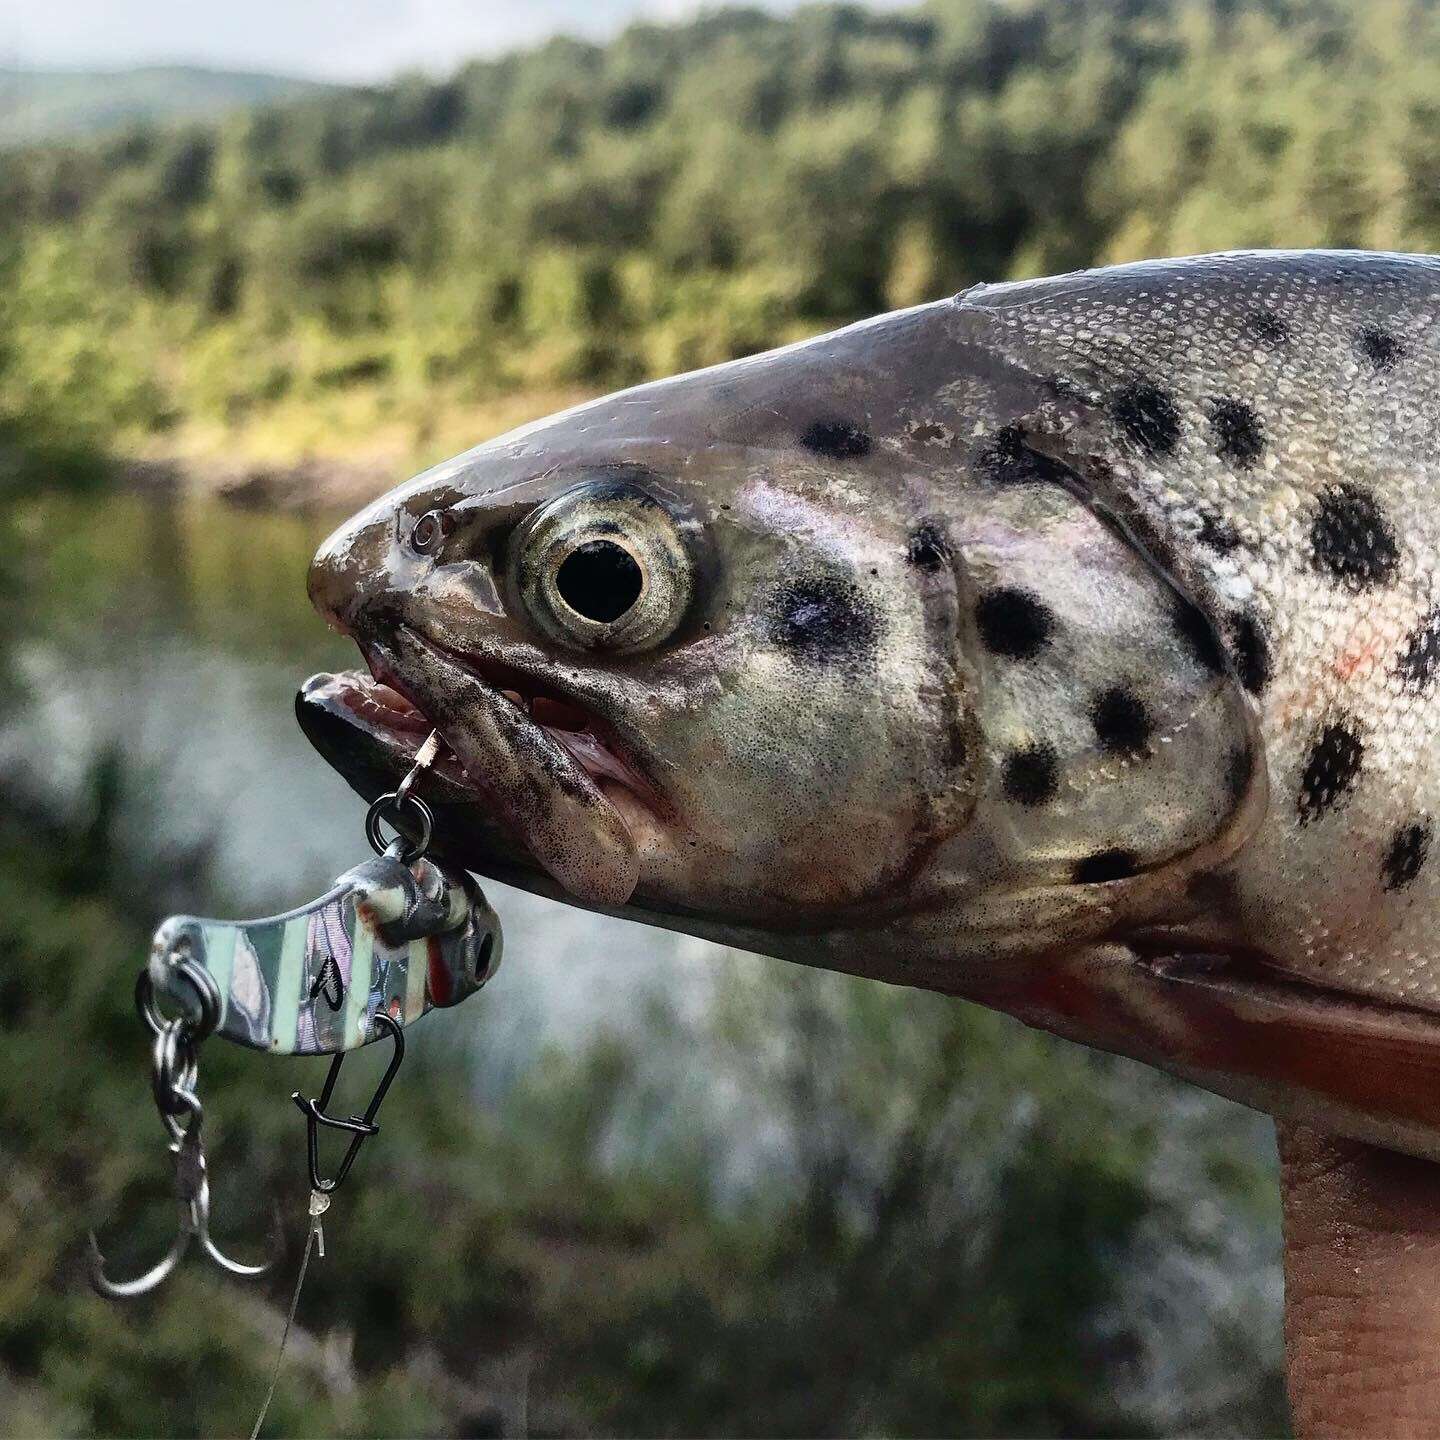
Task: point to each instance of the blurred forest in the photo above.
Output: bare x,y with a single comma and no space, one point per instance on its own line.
932,1221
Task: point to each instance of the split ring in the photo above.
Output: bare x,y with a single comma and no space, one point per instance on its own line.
389,808
201,1016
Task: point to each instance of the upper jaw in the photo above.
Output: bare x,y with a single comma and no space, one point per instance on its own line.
572,719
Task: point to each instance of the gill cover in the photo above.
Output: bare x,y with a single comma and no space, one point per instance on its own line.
1117,741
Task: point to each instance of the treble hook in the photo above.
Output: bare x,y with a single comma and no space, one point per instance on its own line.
192,1196
361,1127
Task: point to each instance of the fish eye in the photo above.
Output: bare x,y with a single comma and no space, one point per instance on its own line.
600,580
602,566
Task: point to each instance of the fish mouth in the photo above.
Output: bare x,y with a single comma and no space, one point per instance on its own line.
1234,1023
533,777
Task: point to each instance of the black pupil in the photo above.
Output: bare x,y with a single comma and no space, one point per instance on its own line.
599,580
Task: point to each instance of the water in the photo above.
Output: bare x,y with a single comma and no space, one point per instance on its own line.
177,633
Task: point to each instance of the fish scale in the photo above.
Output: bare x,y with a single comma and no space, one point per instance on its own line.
1067,645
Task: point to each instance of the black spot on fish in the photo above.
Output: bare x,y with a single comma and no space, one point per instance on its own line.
1331,770
1218,535
1147,414
1216,892
1002,459
927,432
1379,347
1239,771
1267,327
1105,865
1122,724
1006,459
928,549
1407,854
837,439
1032,774
821,619
1417,662
1013,623
1239,436
1252,652
1351,538
1199,635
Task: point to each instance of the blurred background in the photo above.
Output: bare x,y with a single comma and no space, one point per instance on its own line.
256,266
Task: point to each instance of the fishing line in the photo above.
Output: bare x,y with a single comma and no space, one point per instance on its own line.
314,1240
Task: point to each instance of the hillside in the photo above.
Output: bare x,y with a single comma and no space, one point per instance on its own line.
45,104
384,275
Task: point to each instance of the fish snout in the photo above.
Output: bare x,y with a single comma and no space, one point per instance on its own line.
347,567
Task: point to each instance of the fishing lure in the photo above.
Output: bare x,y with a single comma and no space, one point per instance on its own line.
395,936
392,939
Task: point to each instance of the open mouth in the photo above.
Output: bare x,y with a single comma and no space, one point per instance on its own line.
385,713
548,767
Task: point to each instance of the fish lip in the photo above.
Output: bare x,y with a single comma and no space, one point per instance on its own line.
398,738
543,787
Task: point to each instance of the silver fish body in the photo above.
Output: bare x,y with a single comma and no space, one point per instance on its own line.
1071,645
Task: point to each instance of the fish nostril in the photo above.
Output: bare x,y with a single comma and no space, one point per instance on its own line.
600,581
429,532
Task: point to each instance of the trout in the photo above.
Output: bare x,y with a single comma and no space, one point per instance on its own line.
1071,646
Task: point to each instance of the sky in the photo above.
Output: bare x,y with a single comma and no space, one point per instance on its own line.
331,39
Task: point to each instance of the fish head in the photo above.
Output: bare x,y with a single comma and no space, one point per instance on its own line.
763,653
687,645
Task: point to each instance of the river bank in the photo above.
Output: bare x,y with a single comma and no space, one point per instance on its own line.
320,462
315,483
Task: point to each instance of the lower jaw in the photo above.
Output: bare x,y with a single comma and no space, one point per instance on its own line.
373,759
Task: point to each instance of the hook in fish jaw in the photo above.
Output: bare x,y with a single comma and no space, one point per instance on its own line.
360,1127
391,806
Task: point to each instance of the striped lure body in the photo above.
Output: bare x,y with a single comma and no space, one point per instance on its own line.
386,937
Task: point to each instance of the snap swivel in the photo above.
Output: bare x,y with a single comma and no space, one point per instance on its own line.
360,1127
